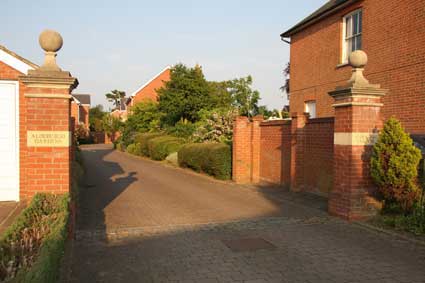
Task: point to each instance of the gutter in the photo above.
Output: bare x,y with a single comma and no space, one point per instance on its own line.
299,27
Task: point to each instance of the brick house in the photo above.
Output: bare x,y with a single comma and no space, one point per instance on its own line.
80,109
148,91
120,112
12,120
35,127
327,151
390,32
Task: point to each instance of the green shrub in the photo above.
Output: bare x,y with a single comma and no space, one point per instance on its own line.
119,146
214,159
31,249
134,149
394,166
161,147
182,129
143,118
143,139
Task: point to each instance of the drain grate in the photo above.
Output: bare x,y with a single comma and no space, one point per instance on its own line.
248,245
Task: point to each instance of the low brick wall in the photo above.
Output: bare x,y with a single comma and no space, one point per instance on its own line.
309,151
318,155
275,152
104,138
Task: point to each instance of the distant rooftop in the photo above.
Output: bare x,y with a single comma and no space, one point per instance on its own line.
83,98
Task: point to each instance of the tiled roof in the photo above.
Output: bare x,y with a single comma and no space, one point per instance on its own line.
148,82
329,7
83,98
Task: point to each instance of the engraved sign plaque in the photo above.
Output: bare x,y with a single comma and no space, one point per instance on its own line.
48,139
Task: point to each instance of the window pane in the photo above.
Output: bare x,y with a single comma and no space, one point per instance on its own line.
359,42
311,109
355,23
360,21
348,48
349,29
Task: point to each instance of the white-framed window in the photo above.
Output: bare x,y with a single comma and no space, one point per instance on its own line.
352,34
310,108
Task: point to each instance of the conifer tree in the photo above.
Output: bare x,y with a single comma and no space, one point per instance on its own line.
394,165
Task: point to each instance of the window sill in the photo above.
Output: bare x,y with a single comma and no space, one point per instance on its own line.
342,65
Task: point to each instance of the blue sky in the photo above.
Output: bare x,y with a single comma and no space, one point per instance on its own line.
121,44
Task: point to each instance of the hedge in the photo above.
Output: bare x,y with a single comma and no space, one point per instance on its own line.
161,147
143,139
134,148
44,221
214,159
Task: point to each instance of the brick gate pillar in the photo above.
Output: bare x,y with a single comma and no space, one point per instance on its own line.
357,122
47,140
241,151
255,148
246,149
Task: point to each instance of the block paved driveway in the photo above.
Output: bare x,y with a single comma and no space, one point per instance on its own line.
141,221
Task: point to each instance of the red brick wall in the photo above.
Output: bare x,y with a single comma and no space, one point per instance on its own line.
84,115
149,91
74,114
275,152
42,169
8,73
393,36
310,149
318,155
47,169
242,151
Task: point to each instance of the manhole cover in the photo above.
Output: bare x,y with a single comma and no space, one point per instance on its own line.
248,245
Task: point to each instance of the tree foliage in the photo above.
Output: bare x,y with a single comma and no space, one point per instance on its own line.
286,73
96,115
116,97
394,165
111,124
244,98
188,92
184,95
193,108
215,125
144,117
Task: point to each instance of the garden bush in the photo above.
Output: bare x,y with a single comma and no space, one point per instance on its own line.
143,118
31,249
214,159
134,149
394,166
143,139
161,147
182,129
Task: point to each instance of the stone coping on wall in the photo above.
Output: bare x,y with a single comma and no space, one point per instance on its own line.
275,123
321,120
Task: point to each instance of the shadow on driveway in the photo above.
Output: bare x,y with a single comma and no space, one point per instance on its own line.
141,221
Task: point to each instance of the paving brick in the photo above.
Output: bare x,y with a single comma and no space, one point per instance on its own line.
310,246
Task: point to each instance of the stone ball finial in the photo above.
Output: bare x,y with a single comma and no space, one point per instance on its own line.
50,40
358,59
